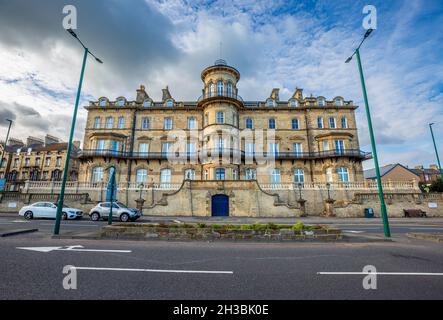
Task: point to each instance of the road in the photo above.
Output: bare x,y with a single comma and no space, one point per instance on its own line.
219,270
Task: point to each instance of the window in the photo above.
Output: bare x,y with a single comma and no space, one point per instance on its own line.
325,144
15,163
234,174
299,176
206,175
147,103
220,174
102,103
295,125
297,148
251,174
338,102
273,148
332,123
165,176
116,145
58,162
211,90
293,103
37,162
329,175
206,119
229,89
121,122
271,123
249,150
320,122
100,144
343,175
24,175
143,149
220,143
45,175
168,123
321,102
191,148
142,176
192,123
344,122
190,174
249,123
166,147
339,146
270,103
48,162
121,102
109,122
219,88
97,123
97,174
220,117
169,103
27,162
275,176
145,123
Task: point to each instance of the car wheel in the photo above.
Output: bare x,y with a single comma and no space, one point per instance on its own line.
28,215
64,216
95,216
124,217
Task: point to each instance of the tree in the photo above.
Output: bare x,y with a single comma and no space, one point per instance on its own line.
437,185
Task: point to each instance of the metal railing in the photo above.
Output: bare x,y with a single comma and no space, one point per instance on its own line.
224,94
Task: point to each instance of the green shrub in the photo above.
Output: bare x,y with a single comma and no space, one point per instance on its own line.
271,226
299,226
201,225
187,225
216,227
437,186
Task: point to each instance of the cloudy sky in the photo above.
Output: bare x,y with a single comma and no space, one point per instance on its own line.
274,44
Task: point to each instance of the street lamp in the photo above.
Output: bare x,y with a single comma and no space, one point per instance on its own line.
299,189
328,187
436,152
384,213
71,136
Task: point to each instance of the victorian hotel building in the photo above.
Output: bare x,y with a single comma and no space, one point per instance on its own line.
222,137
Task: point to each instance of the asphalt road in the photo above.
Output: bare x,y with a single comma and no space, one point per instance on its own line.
220,270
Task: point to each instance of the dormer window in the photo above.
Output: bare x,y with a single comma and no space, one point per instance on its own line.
338,102
102,102
270,103
147,103
121,102
169,103
293,103
321,102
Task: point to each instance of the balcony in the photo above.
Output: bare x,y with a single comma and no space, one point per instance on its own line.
87,153
219,95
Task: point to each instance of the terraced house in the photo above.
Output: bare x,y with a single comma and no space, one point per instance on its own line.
309,139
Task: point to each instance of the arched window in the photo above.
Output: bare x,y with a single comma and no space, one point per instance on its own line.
293,103
109,122
251,174
271,123
121,102
320,122
220,117
344,123
97,175
170,103
229,89
343,174
275,176
270,103
321,102
165,176
145,123
142,176
102,102
121,122
190,174
219,88
97,123
220,174
211,89
299,176
295,125
249,123
147,103
338,102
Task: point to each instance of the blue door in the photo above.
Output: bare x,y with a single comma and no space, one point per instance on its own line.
220,205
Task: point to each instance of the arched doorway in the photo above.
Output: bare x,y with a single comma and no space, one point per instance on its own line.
220,205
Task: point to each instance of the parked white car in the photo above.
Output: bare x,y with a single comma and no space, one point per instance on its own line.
48,210
119,211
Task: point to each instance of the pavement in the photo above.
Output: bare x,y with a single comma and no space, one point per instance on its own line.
32,265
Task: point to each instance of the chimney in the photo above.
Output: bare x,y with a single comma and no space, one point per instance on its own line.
141,94
34,141
274,94
166,94
418,167
298,94
51,139
15,142
433,167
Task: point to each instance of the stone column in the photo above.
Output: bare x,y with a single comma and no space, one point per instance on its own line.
329,208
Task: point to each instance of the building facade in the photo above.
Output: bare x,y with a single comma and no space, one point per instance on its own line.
222,137
37,160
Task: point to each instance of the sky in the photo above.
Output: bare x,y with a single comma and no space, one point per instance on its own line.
274,44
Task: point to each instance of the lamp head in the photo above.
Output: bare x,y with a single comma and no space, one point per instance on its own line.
348,59
72,32
368,32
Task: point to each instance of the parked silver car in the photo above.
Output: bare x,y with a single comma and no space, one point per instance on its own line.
119,211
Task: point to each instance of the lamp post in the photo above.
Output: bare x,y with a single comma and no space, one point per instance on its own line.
299,190
71,135
436,152
384,213
328,187
6,143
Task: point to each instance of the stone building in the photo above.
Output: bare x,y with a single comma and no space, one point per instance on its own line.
222,137
37,160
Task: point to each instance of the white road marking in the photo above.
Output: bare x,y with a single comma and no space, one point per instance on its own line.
353,231
154,270
384,273
77,248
